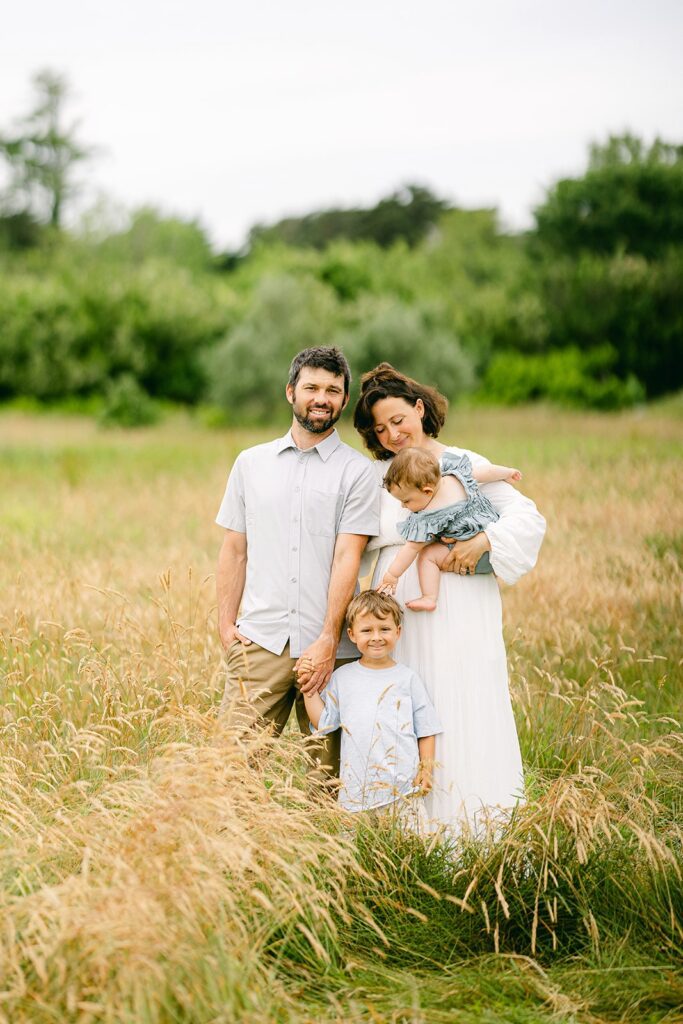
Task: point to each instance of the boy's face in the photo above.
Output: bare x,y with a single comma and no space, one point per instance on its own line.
375,638
412,498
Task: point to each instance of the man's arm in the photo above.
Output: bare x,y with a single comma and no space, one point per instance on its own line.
230,576
343,577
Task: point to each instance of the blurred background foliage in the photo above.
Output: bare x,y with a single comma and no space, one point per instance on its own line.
136,307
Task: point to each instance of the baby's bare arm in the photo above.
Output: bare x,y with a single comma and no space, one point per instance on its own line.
490,474
405,558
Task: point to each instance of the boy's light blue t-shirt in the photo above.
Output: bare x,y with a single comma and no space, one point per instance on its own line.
382,713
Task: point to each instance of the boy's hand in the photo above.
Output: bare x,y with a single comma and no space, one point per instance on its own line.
423,779
304,669
514,477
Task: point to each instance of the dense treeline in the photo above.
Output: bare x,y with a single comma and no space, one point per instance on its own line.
586,309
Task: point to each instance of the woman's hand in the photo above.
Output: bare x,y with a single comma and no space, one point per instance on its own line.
465,554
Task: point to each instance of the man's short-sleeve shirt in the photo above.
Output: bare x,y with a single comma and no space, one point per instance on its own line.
292,504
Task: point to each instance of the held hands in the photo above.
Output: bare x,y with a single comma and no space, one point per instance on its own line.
315,666
387,584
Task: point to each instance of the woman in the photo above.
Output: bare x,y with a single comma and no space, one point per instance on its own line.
458,649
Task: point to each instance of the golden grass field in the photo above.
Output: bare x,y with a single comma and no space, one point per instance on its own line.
149,874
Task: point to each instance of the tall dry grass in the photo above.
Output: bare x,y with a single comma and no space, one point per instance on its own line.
150,873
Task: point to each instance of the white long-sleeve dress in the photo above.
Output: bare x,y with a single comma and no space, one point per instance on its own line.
459,653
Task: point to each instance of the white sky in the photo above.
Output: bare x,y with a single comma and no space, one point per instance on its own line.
240,112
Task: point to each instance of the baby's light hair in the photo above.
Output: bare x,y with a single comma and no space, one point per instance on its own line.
413,467
369,602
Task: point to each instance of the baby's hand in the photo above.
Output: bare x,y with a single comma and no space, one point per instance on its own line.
388,584
514,476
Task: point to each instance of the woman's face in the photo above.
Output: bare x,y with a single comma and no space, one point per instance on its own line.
398,424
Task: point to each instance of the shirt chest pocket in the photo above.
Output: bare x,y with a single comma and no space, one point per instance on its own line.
321,512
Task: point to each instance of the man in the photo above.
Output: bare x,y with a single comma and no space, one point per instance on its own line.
297,514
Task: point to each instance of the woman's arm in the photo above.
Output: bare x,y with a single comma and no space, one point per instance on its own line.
514,541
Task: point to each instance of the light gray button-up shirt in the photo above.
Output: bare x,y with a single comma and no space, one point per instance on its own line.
291,504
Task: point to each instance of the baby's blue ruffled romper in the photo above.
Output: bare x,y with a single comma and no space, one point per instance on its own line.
462,520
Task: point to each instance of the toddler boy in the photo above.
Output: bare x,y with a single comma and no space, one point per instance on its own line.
387,720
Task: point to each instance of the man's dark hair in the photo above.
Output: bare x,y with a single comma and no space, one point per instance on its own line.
325,357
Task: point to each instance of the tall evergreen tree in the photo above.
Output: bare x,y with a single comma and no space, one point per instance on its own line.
42,153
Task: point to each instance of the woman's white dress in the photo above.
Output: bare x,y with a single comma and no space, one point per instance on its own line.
459,653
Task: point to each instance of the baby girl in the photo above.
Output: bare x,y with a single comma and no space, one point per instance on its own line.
444,501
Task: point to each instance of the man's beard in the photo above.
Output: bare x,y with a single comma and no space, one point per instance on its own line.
315,426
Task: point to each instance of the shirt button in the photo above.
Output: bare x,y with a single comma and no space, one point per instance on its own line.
297,489
293,579
292,611
295,549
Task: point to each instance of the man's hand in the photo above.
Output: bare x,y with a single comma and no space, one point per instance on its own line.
465,554
229,633
315,666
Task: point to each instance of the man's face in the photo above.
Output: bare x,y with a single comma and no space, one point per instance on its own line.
318,399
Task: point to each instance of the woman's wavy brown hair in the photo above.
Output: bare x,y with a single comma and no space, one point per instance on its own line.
386,382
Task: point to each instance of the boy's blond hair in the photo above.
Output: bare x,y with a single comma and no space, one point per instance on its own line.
413,467
382,606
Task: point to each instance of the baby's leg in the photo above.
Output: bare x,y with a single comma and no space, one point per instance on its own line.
429,563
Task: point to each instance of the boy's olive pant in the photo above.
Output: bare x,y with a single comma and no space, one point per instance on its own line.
261,688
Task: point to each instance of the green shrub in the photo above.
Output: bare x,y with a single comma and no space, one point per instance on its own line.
247,371
127,405
413,338
565,376
69,330
634,305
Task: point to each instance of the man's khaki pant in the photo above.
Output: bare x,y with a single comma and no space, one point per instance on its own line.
261,688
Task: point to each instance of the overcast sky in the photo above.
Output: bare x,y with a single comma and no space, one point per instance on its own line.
244,112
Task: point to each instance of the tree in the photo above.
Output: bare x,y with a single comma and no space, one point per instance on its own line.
153,235
42,154
630,200
611,256
407,214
